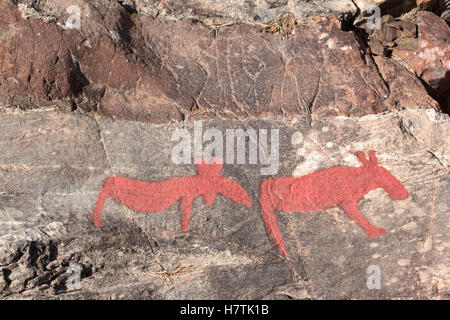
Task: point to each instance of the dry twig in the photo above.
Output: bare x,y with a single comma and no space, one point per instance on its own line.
166,275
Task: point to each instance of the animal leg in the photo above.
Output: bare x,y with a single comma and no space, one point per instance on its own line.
102,197
186,212
352,211
270,219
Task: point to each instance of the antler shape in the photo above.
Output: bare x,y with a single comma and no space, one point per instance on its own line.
148,196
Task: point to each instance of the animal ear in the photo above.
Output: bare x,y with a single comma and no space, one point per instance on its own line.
212,169
373,158
361,158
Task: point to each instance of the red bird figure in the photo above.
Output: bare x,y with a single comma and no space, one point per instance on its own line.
339,186
146,196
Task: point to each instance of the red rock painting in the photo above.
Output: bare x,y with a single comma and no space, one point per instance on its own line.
341,187
148,196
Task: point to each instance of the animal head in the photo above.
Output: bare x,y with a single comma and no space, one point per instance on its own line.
217,184
382,177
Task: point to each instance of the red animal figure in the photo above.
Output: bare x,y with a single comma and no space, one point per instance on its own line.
339,186
147,196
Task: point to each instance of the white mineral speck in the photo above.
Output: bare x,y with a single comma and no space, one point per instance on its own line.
297,138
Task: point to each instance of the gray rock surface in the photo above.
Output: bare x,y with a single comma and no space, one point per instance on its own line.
250,11
164,64
53,165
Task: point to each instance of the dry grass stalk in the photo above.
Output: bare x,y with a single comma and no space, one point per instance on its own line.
306,106
284,25
166,275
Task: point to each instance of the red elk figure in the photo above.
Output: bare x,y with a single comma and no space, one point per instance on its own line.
339,186
146,196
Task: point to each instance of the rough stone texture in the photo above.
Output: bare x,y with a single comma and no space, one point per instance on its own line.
53,165
431,61
393,7
393,33
249,11
403,85
133,66
165,61
443,9
425,4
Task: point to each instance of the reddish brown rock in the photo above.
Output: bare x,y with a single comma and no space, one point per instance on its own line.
133,66
91,68
425,4
36,68
432,60
403,85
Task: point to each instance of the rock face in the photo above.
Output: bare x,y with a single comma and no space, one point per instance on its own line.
425,4
249,11
402,84
443,9
371,225
394,7
431,61
133,66
54,164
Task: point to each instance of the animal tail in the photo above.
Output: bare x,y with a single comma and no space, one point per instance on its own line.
269,217
102,197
